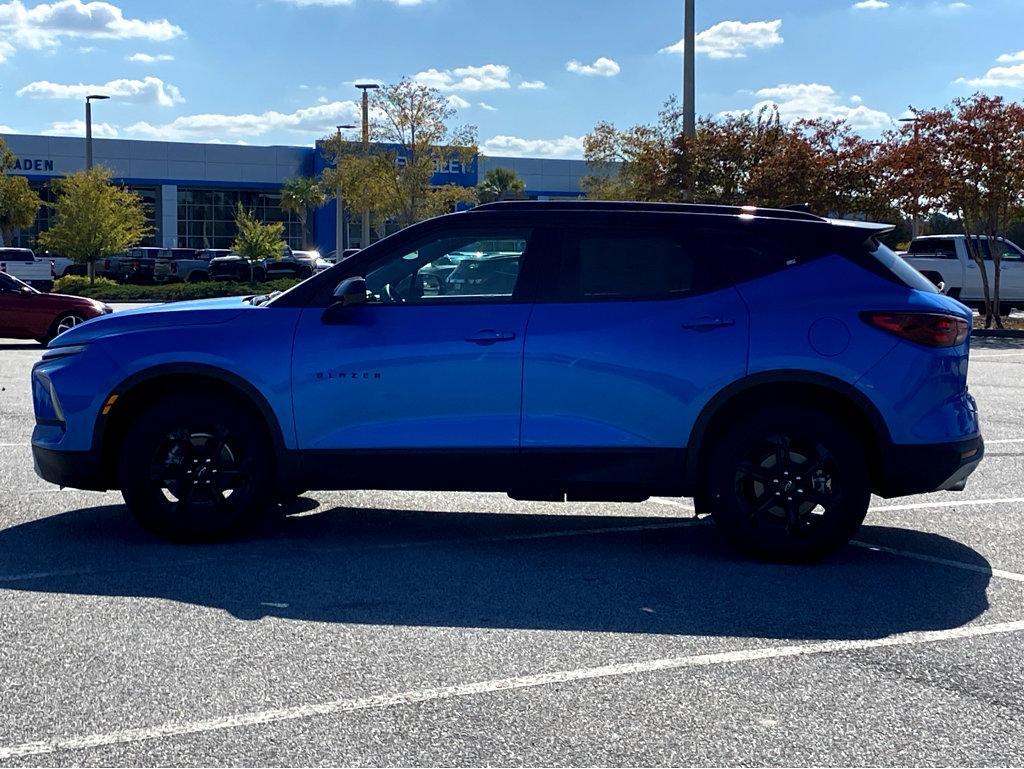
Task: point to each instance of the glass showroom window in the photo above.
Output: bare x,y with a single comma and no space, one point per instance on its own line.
206,217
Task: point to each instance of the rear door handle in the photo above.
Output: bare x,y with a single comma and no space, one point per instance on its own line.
709,324
490,336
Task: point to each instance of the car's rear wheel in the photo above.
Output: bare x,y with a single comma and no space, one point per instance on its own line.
64,323
195,467
788,484
197,277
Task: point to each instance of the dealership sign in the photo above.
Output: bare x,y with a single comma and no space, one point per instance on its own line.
32,164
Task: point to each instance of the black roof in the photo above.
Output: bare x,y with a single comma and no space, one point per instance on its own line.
790,214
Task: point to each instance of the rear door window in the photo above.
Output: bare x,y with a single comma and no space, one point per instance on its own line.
933,249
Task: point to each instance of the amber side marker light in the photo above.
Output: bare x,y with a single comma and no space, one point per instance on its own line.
109,404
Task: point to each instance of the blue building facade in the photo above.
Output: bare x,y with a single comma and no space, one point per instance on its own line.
191,190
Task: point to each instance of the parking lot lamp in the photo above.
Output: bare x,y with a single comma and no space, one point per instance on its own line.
689,77
915,223
88,127
339,217
366,88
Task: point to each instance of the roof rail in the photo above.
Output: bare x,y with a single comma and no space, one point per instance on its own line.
611,205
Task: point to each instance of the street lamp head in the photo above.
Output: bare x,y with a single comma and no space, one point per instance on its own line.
345,127
96,96
368,86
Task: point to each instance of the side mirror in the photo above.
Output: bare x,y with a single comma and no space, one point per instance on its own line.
351,291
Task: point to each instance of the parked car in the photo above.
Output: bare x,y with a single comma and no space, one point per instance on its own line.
944,259
293,264
61,264
775,366
26,313
132,266
237,268
332,256
23,264
182,264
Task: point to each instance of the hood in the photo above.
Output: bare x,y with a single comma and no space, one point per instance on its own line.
69,300
201,312
226,259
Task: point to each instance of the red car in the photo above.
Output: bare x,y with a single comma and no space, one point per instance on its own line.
29,314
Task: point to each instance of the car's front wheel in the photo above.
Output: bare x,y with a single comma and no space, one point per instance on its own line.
789,484
195,467
64,323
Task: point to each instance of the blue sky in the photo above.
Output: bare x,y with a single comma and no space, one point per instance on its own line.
533,75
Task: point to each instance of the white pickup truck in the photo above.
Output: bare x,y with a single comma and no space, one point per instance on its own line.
944,259
23,265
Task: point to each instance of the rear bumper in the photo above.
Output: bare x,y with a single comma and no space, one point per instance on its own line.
913,469
75,469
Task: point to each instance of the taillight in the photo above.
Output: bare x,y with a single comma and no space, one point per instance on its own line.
174,267
931,329
135,264
106,264
53,270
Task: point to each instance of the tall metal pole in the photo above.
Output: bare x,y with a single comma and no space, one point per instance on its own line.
366,88
689,78
88,127
339,216
88,135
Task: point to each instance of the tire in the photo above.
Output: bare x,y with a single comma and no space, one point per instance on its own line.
304,272
781,448
196,468
64,322
259,276
197,277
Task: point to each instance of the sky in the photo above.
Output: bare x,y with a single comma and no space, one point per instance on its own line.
534,76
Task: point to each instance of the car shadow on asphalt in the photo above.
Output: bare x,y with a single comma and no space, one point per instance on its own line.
502,570
22,346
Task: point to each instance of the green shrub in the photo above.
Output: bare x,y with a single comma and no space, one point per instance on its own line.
75,284
109,291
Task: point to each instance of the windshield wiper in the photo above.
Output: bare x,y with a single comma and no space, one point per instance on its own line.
259,301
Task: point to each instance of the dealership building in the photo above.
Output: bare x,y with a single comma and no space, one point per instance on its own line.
191,190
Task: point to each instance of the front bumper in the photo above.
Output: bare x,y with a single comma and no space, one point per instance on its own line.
920,469
75,469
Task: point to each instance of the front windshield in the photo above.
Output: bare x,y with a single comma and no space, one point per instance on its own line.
11,284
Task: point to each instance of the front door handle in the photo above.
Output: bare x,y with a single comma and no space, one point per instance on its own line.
709,324
490,336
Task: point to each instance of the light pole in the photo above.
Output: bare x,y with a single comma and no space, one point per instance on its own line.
366,88
88,127
689,77
339,217
915,223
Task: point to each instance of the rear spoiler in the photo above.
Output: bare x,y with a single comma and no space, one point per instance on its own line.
870,229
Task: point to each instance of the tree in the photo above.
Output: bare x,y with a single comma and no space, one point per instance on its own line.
969,161
298,195
410,127
19,203
94,218
257,240
500,184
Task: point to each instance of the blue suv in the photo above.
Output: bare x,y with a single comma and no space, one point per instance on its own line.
776,366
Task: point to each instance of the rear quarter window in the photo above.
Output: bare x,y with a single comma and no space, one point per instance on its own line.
885,262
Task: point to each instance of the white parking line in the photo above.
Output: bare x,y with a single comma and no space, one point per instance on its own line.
1003,442
986,570
401,699
951,503
994,355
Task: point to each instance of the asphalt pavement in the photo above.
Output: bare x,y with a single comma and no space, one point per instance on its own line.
469,629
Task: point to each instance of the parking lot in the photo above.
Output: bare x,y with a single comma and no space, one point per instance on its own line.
427,628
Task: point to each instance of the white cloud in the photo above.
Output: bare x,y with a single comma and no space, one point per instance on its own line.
1000,77
487,77
457,102
488,107
149,90
1007,58
732,39
313,121
814,100
871,5
148,58
77,128
6,129
602,66
514,146
533,85
6,51
44,25
337,3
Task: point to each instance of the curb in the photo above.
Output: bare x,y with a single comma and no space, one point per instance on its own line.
998,333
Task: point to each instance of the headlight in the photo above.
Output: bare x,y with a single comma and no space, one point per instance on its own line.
44,400
62,352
